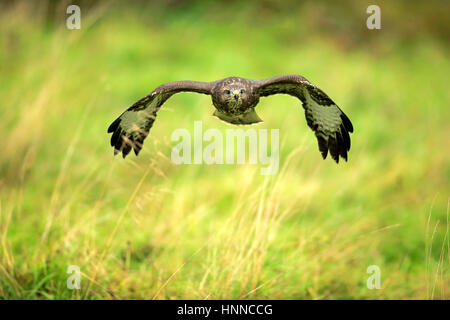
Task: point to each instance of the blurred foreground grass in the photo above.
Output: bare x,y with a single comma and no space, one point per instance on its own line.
146,228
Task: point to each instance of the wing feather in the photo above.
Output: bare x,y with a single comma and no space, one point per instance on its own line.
329,123
131,128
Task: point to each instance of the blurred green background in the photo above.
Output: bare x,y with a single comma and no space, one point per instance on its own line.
144,228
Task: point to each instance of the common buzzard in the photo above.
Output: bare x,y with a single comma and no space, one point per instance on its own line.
235,100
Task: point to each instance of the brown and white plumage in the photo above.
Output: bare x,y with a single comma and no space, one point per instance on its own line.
235,99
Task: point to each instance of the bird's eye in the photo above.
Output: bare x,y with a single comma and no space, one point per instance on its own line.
226,91
242,91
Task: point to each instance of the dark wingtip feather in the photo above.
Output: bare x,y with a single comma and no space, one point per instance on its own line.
336,159
342,148
323,146
118,143
139,143
123,143
113,126
345,137
126,150
333,147
115,137
347,123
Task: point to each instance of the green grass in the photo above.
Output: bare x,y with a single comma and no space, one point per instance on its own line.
144,228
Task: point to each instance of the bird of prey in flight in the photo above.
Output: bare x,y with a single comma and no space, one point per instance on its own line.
235,100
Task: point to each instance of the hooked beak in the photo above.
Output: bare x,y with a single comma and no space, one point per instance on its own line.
236,94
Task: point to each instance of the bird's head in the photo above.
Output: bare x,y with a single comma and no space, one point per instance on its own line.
234,96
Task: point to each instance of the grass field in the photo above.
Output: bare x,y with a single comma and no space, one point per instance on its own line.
145,228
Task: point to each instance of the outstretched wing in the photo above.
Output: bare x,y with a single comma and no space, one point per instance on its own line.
132,127
323,116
